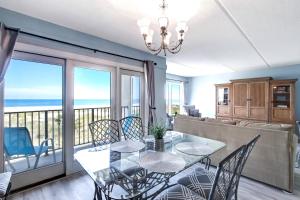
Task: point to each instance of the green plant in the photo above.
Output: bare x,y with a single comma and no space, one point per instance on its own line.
158,131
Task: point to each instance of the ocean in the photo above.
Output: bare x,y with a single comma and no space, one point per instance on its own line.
18,105
54,102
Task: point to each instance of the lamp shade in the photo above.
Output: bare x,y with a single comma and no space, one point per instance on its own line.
163,22
182,27
144,25
149,37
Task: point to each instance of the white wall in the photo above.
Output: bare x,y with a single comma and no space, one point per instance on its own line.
201,90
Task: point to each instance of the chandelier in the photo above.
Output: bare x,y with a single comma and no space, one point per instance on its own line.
165,45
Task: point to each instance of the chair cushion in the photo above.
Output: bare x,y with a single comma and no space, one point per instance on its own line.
200,181
4,182
178,192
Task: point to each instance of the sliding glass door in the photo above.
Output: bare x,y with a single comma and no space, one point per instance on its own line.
92,101
33,135
132,97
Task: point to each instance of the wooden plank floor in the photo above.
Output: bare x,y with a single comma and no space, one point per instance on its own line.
80,187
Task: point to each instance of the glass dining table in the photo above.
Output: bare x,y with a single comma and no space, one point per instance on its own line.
138,170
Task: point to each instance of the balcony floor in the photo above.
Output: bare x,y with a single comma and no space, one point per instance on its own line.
20,164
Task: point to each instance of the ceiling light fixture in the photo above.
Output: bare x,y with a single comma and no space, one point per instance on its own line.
165,35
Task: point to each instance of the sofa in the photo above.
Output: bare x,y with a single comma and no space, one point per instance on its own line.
271,161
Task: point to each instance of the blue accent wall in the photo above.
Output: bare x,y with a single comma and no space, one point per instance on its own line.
201,90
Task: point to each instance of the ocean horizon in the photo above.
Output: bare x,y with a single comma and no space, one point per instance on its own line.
17,105
54,102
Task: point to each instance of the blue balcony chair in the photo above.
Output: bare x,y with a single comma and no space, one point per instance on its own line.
17,142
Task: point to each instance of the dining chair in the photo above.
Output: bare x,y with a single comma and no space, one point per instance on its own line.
105,131
198,181
132,128
5,184
212,186
249,148
17,142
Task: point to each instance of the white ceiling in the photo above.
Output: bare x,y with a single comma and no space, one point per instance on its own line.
223,36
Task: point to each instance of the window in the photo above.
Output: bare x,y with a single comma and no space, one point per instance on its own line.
174,97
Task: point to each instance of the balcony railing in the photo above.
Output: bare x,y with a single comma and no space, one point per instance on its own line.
43,124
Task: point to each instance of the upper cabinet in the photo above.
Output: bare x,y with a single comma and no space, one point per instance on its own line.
259,99
282,101
223,100
240,99
251,98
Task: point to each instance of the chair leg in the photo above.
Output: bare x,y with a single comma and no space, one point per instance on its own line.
36,161
28,162
95,194
54,155
208,163
235,195
10,165
98,193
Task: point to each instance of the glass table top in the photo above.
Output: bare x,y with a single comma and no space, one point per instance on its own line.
133,174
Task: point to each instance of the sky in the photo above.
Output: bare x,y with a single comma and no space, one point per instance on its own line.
91,84
31,80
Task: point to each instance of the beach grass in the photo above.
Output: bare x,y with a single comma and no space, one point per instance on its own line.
44,124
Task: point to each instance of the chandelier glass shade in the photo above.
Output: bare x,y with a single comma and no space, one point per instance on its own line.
166,45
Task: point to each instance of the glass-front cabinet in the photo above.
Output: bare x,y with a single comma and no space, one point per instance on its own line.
283,101
223,100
